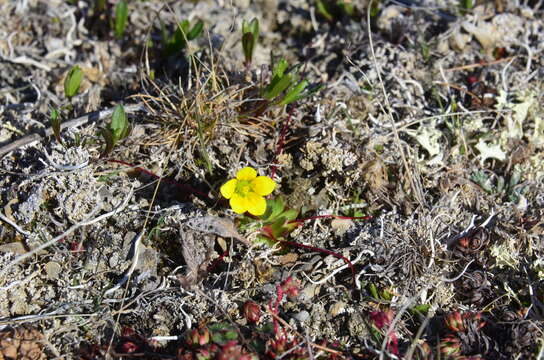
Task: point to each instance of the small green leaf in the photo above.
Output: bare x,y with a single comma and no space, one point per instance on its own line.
277,76
279,86
121,17
295,93
119,123
279,68
277,228
466,4
274,207
421,309
251,27
55,124
323,10
248,44
290,215
373,291
386,295
196,30
110,142
183,27
348,8
250,38
178,40
73,81
375,9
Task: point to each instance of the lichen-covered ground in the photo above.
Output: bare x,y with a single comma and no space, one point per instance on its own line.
429,123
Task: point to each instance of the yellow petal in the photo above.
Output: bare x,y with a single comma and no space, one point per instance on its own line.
238,203
228,188
257,204
246,173
263,185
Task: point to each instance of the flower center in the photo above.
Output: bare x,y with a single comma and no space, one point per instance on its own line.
243,188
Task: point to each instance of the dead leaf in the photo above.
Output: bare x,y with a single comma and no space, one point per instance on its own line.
215,225
197,251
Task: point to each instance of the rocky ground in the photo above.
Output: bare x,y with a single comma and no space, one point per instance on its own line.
415,171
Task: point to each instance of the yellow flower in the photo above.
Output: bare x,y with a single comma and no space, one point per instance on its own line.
247,191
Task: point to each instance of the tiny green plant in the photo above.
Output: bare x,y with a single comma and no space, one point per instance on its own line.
286,87
117,129
334,10
466,5
250,37
176,42
55,124
121,17
72,82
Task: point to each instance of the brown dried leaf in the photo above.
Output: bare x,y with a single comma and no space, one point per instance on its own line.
216,225
197,251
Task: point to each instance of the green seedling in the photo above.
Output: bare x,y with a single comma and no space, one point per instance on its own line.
250,37
466,5
286,87
55,124
117,129
334,10
73,82
425,49
121,17
178,40
382,295
421,309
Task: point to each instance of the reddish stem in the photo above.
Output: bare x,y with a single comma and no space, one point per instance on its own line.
281,143
217,260
321,250
185,187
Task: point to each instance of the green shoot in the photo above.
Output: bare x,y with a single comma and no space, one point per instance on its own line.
286,87
183,34
324,9
55,124
466,4
250,37
121,16
334,10
117,129
73,81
